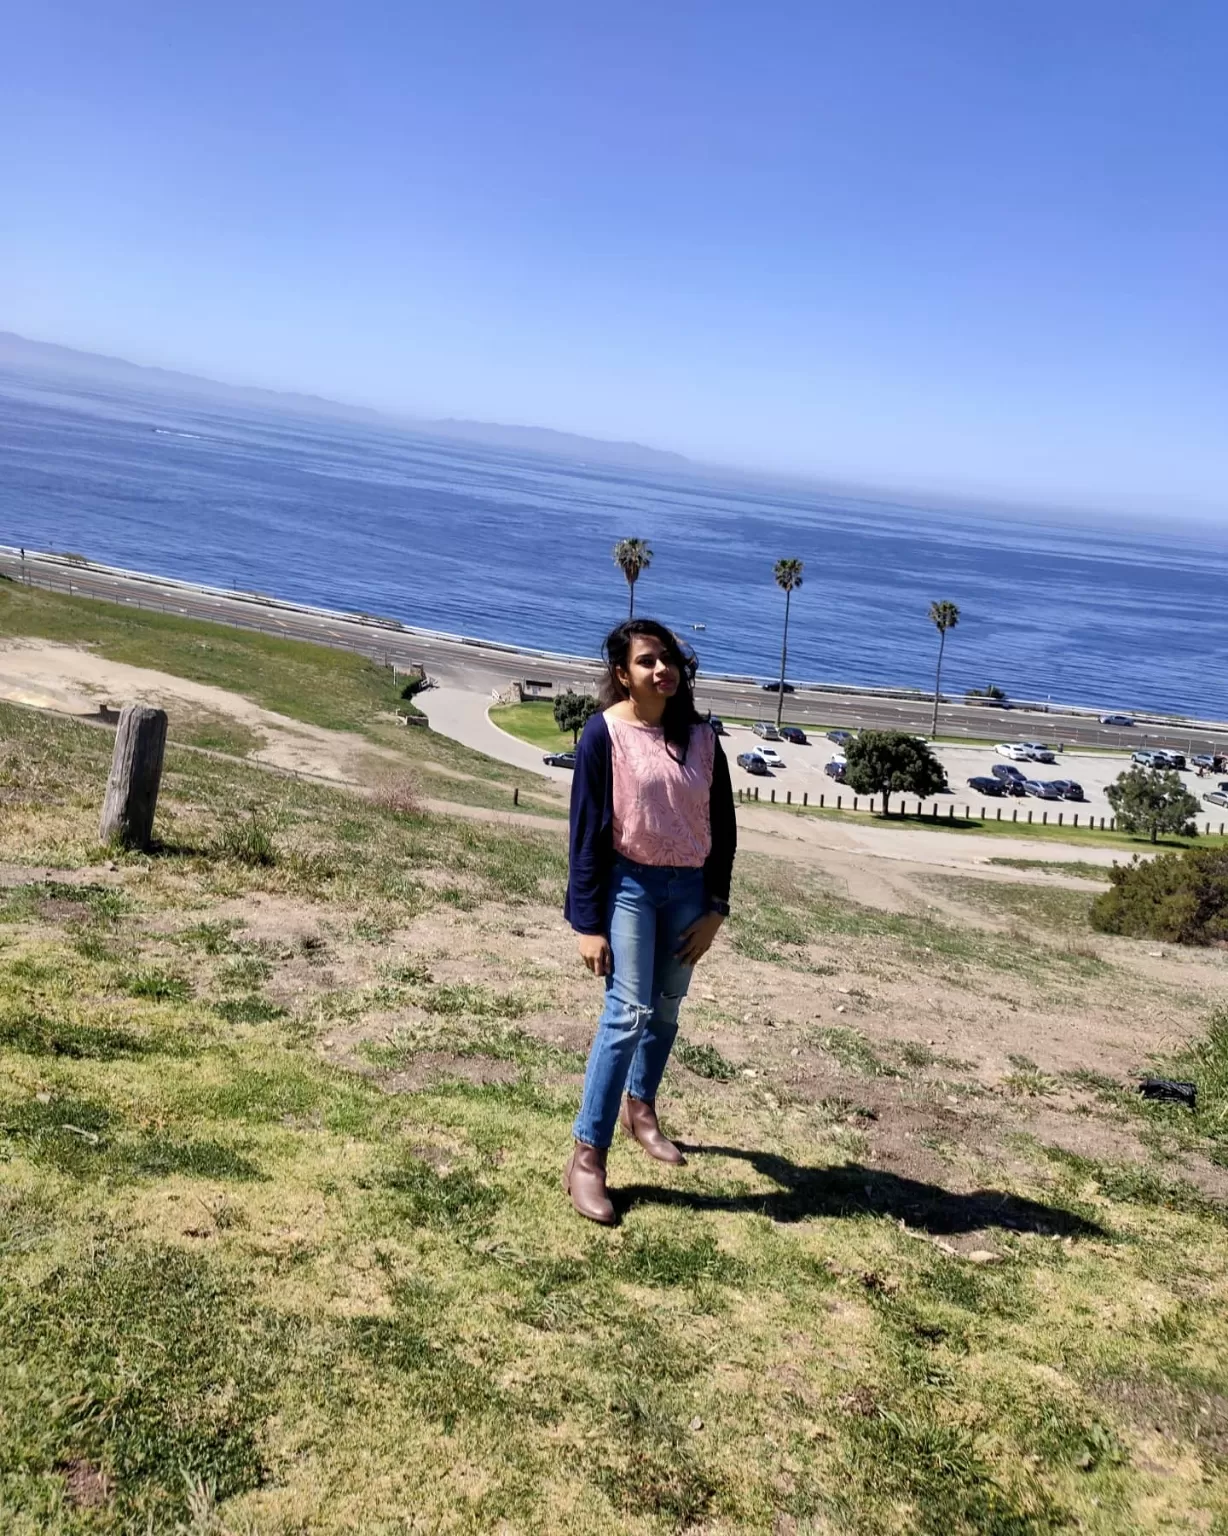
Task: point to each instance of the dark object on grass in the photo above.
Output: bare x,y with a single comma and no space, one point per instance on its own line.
1168,1091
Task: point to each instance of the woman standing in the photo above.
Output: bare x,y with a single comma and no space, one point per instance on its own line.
652,844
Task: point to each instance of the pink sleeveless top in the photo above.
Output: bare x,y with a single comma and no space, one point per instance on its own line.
661,807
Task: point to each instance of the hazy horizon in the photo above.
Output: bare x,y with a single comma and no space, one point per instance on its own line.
991,502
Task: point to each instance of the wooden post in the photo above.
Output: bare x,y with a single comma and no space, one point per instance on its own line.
136,772
805,797
515,794
788,797
854,802
822,801
839,798
773,797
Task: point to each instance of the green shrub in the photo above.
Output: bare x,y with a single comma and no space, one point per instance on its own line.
1179,897
246,840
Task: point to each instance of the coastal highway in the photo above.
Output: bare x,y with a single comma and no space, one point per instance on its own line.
477,665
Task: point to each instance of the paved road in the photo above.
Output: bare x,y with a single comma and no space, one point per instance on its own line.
478,667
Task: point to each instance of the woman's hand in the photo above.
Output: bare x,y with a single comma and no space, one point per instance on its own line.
595,952
697,940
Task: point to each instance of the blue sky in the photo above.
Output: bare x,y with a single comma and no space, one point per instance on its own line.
973,244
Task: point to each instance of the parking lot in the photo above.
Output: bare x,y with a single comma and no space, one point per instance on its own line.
803,774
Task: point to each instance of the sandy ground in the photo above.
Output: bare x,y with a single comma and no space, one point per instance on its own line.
71,681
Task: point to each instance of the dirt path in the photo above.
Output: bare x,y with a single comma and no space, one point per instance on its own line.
72,681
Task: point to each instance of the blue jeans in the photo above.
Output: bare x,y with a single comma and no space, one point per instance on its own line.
649,910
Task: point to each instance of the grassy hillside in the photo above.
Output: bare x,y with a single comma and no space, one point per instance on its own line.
311,683
283,1249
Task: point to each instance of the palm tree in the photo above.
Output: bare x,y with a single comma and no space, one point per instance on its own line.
788,574
632,556
943,616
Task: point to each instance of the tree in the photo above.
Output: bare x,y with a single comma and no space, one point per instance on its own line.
788,574
892,762
632,557
1153,800
571,712
943,616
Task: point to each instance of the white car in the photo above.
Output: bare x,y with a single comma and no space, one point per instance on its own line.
1038,751
771,757
1015,750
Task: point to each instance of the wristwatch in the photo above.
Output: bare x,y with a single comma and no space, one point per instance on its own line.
721,908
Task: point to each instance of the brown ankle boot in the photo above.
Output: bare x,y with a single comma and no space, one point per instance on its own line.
584,1181
638,1118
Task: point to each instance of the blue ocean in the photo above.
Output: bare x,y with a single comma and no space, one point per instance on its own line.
516,547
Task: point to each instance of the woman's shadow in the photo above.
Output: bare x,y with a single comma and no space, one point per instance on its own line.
851,1189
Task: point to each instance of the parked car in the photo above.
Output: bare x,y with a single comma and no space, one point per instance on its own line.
1202,760
1038,751
771,757
1175,759
1041,789
560,759
835,770
718,725
1116,720
1146,758
1014,750
841,738
752,762
1068,789
1008,773
778,687
793,733
766,729
984,786
1216,797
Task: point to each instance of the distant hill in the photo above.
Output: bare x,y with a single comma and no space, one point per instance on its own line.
48,358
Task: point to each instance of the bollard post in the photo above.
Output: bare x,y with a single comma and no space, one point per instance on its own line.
999,813
1059,818
516,794
1044,818
822,801
1014,813
951,812
1029,818
966,816
136,773
839,804
854,802
773,795
805,797
788,797
756,792
1075,822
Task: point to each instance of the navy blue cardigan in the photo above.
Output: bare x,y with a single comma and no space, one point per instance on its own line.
592,830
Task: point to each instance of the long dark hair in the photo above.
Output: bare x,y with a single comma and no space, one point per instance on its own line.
680,713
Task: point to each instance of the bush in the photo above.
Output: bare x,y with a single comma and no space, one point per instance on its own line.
1178,897
398,795
246,840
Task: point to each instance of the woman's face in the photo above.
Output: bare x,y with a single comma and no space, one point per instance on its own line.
649,674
